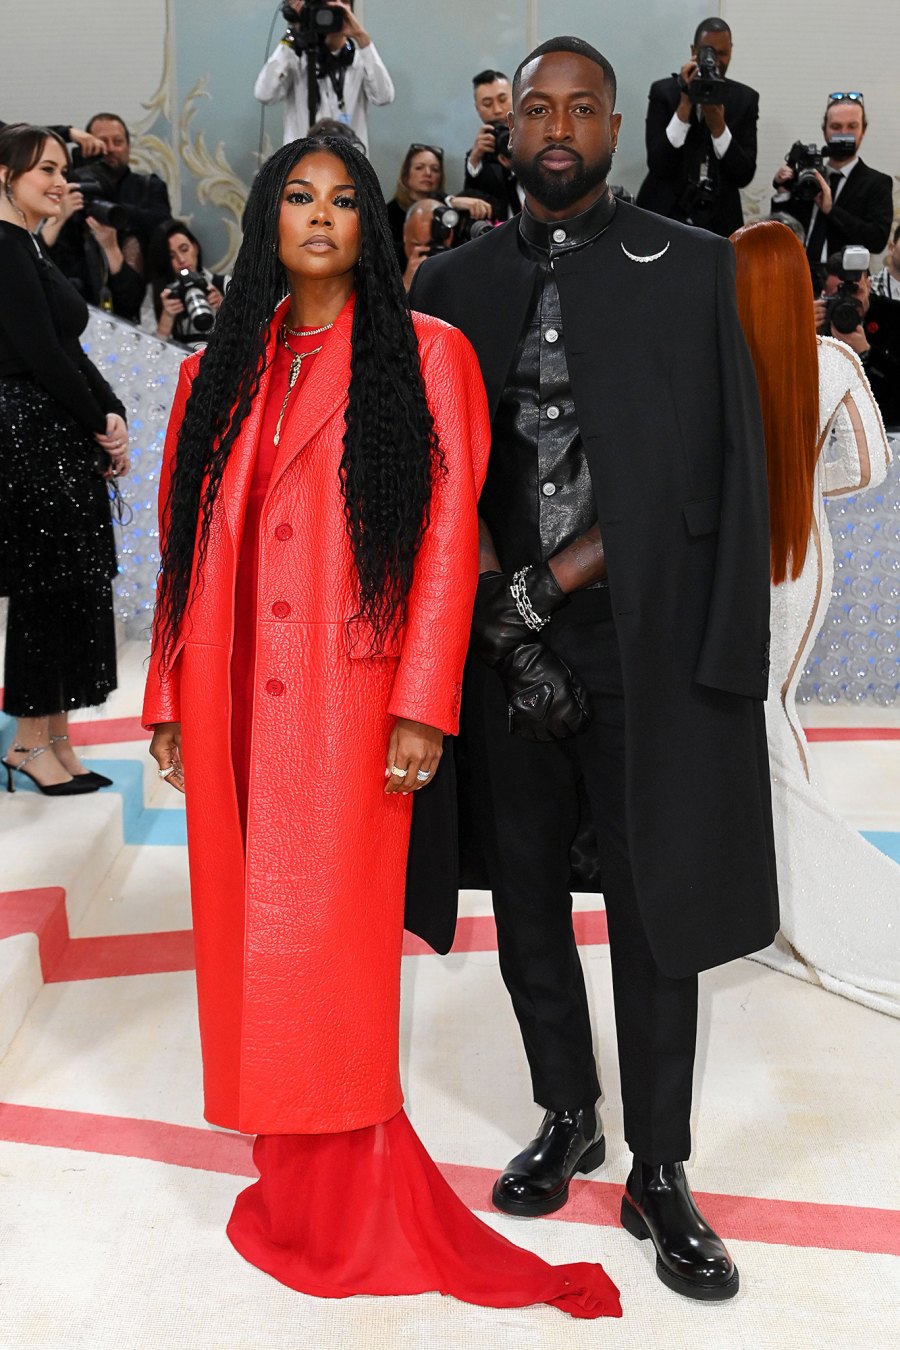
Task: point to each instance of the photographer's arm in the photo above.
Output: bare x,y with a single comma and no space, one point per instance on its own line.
871,230
278,76
737,159
664,158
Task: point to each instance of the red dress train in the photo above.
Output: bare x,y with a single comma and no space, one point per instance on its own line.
367,1211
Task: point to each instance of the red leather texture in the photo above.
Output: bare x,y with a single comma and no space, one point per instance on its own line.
298,943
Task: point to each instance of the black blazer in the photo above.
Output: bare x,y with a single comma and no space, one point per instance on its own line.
862,214
497,185
670,170
669,416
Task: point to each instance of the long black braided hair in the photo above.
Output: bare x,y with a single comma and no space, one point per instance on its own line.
391,452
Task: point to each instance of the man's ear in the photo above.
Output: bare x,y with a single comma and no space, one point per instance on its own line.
615,124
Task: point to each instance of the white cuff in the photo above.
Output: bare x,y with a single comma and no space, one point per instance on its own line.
721,143
473,170
677,131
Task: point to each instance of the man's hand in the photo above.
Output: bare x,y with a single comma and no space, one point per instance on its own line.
685,107
497,626
783,178
856,341
90,146
824,199
714,117
819,313
416,748
477,208
352,27
485,144
547,701
165,747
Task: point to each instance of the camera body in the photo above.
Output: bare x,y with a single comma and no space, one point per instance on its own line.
842,309
806,161
191,289
447,222
501,142
90,183
316,19
708,85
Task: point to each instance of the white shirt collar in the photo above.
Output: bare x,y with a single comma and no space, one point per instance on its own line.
845,168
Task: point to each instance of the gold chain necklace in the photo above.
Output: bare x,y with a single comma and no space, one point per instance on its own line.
296,362
307,332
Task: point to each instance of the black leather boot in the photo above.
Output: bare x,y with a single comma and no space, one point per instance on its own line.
537,1180
690,1257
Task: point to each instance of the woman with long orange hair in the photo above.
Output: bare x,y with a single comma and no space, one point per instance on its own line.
840,897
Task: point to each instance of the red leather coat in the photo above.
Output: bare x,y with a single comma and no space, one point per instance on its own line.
298,942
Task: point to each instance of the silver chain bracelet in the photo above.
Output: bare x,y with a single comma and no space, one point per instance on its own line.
519,593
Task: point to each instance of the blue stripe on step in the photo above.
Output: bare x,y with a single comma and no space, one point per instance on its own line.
141,824
887,841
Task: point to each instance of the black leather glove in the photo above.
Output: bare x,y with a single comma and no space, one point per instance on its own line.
547,700
497,626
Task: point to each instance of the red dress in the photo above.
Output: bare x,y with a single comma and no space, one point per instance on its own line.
362,1211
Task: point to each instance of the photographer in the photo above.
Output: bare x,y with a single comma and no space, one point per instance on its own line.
101,237
701,137
418,236
421,178
875,334
887,281
186,297
349,73
854,204
488,167
88,144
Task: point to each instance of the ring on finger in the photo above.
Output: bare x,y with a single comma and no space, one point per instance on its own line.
398,773
423,775
164,773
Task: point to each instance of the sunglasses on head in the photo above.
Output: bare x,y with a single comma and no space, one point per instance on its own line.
846,96
418,145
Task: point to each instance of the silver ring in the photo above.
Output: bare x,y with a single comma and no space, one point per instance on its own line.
423,775
398,773
164,773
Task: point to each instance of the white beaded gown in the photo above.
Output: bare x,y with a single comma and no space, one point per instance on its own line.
840,897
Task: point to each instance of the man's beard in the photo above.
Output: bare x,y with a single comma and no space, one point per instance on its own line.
557,190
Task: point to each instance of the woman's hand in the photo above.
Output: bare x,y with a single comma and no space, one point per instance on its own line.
171,305
215,298
415,748
115,442
165,747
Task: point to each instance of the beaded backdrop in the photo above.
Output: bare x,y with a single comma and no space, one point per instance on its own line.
856,658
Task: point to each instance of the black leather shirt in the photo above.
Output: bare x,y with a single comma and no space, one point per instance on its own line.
538,496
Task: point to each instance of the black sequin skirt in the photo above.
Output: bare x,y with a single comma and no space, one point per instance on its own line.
57,557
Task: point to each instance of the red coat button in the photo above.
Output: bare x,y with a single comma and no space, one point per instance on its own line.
283,532
275,688
281,609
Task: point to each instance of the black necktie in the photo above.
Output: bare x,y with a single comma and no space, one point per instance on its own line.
819,231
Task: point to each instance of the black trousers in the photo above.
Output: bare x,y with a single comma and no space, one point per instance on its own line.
532,801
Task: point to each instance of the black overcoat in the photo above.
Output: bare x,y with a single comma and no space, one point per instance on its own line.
667,405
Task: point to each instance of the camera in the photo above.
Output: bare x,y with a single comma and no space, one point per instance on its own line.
191,289
316,18
95,203
842,309
698,199
805,160
501,142
708,85
447,221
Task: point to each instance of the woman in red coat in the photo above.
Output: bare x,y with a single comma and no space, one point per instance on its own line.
320,558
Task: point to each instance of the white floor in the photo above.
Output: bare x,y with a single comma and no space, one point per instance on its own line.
794,1109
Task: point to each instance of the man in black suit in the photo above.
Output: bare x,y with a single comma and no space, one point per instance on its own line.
856,203
489,172
699,155
876,338
621,634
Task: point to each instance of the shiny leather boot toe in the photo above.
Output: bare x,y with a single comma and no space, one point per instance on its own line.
537,1180
690,1257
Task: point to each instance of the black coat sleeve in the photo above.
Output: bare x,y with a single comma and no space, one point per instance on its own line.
103,392
153,209
126,287
734,658
867,222
738,164
28,324
664,160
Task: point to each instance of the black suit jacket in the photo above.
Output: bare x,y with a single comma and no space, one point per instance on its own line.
671,170
496,184
671,427
862,214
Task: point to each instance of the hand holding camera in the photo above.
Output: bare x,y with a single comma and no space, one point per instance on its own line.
491,145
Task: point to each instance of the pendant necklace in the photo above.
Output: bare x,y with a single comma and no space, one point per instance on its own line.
297,359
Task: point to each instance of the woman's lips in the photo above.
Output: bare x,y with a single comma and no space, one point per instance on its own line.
319,243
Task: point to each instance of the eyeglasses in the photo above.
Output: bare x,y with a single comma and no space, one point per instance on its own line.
846,96
418,145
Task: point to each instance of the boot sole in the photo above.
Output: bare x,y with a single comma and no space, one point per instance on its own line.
633,1223
535,1209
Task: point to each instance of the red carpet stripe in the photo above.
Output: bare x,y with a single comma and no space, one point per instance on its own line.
793,1223
853,733
107,731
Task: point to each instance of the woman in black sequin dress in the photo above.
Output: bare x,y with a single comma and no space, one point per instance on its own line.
62,435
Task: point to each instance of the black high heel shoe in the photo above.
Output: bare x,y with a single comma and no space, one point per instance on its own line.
98,779
76,787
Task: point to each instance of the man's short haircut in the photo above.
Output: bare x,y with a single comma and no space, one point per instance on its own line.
845,103
713,25
110,117
488,77
568,44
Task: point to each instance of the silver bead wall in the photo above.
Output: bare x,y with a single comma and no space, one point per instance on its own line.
856,658
144,372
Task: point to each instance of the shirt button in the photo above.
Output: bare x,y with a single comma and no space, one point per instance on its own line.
283,532
281,609
553,412
551,335
559,236
275,688
549,489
